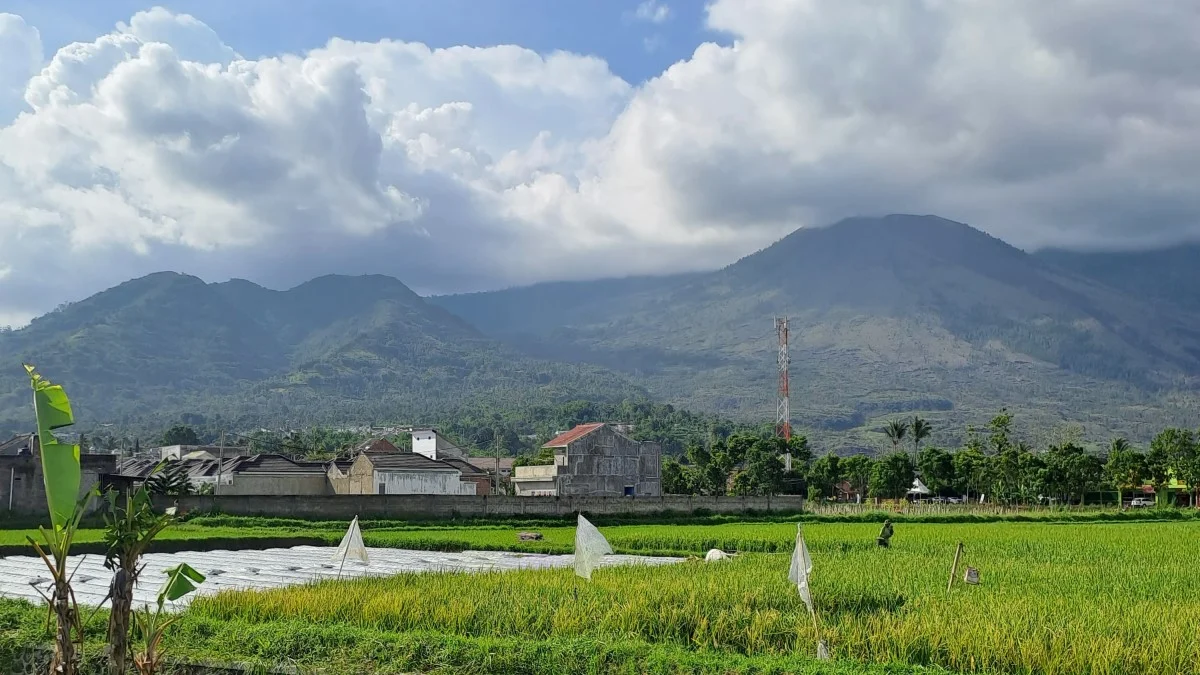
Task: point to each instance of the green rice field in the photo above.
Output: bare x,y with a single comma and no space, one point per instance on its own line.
1055,598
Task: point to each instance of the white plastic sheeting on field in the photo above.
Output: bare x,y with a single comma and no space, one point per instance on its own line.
272,568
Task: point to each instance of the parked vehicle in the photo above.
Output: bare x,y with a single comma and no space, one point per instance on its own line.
1141,502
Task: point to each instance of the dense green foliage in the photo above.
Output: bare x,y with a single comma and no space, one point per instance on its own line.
995,463
480,431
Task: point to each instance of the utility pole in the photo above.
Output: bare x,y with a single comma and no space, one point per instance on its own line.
220,463
783,411
496,475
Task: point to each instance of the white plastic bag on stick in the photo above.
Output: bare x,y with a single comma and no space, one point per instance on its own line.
352,545
590,547
800,569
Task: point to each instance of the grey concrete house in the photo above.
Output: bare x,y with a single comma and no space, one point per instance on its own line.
594,460
22,486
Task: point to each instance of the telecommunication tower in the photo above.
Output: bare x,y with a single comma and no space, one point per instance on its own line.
783,412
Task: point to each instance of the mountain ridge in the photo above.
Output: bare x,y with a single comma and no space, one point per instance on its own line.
890,315
334,348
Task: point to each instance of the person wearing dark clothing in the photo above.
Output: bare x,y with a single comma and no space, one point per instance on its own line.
885,535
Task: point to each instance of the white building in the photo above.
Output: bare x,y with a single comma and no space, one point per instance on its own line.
399,473
430,443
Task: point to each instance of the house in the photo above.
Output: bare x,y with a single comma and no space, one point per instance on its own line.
398,473
430,443
594,460
192,452
20,444
266,474
472,474
378,445
493,464
846,492
1176,493
22,485
503,466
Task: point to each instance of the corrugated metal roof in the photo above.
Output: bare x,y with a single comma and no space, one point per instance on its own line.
140,467
562,440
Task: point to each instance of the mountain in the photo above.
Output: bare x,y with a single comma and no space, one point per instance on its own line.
1167,276
894,314
335,349
888,316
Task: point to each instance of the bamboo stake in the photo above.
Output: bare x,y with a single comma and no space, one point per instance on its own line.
954,568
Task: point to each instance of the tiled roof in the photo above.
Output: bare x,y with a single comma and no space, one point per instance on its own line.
467,468
272,464
409,461
562,440
489,463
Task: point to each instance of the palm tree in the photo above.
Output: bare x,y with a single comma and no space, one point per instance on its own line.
920,431
895,430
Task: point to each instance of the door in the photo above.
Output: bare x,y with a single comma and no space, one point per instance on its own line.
383,488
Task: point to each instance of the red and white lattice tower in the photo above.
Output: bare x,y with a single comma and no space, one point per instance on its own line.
783,412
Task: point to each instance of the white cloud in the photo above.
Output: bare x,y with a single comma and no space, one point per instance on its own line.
20,59
158,147
653,11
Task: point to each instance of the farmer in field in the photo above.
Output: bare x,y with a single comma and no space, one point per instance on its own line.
885,535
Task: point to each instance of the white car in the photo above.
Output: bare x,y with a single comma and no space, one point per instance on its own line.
1140,502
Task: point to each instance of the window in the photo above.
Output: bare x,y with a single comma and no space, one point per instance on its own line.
628,490
383,488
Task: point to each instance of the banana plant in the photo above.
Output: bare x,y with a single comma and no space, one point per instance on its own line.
130,528
62,476
150,626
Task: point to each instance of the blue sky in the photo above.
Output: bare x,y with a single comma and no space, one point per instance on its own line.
635,49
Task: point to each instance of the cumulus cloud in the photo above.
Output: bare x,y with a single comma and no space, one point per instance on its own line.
156,146
20,59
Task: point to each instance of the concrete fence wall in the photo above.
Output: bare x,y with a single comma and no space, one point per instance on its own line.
345,507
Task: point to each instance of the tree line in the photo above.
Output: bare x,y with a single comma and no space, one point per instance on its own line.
991,462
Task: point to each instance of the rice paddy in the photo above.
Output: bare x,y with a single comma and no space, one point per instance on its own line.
1096,598
1055,598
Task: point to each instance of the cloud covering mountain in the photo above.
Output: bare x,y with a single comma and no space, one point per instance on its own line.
158,146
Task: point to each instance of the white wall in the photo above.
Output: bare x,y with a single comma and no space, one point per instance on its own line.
535,488
427,442
424,442
422,483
